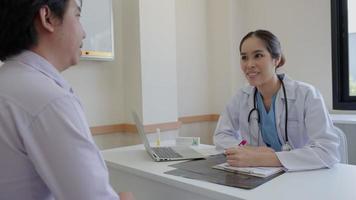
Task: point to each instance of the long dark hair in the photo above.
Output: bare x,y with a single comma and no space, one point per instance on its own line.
272,43
17,28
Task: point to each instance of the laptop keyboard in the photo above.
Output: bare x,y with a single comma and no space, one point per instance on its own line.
166,152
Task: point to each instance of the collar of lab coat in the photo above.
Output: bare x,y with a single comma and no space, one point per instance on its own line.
289,84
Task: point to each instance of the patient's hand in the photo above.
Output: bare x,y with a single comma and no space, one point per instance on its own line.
126,196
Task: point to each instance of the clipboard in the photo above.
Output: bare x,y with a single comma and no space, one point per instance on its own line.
263,172
202,170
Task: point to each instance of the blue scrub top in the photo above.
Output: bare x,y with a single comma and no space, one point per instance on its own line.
268,123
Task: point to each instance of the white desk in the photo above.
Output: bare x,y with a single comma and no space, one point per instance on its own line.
131,169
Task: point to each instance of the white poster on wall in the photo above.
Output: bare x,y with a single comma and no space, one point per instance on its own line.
97,20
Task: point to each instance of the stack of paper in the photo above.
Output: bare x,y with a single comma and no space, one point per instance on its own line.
253,171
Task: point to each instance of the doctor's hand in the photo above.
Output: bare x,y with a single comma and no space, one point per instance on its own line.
259,149
249,156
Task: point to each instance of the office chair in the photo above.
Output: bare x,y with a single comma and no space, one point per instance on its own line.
343,146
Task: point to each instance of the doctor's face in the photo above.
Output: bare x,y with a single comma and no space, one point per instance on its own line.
256,62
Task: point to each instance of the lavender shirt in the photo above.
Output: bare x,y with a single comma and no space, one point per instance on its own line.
46,149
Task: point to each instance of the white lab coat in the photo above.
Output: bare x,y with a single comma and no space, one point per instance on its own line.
310,130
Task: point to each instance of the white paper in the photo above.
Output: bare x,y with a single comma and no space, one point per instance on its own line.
253,171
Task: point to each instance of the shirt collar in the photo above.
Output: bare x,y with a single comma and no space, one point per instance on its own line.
38,63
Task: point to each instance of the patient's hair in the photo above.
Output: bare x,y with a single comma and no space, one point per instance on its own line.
272,44
17,27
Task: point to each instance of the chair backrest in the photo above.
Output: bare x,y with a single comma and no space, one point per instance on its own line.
343,146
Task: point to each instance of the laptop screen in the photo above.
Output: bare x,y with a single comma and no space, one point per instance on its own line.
141,130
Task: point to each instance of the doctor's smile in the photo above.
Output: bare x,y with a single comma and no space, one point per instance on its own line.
252,75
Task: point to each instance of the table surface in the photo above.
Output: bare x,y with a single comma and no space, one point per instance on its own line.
336,183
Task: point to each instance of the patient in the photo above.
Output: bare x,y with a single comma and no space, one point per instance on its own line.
46,149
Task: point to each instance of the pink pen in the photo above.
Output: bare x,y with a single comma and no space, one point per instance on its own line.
242,143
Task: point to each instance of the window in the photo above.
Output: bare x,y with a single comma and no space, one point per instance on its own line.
343,27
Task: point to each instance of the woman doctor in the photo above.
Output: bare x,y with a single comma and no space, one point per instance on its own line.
284,122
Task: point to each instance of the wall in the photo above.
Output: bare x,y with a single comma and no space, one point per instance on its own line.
225,28
304,30
130,47
213,42
207,36
208,33
192,71
100,84
207,61
158,61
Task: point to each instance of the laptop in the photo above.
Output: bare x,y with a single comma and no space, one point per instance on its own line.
165,153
